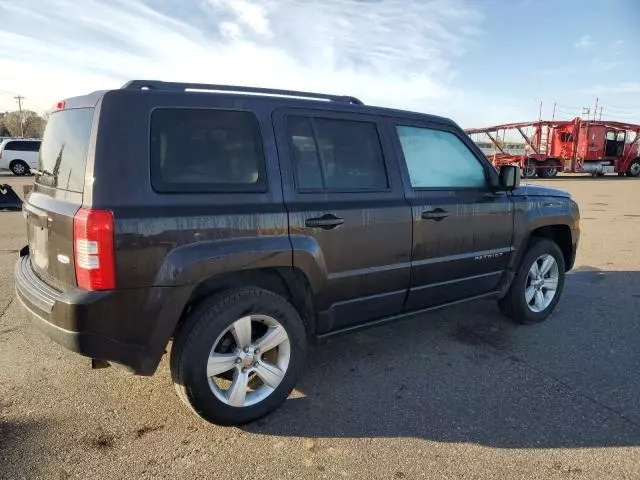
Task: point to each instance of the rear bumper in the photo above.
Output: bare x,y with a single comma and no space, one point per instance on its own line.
128,327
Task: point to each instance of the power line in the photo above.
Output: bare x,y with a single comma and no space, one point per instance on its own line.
567,106
615,114
623,112
617,107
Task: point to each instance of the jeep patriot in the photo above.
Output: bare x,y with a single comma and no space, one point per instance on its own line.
241,224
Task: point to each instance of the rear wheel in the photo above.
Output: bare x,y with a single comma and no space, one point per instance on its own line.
634,168
529,170
550,169
537,285
19,168
238,356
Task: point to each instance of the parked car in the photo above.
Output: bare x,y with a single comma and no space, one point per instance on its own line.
19,155
245,223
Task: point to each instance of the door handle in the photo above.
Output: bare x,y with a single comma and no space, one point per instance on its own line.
326,222
436,214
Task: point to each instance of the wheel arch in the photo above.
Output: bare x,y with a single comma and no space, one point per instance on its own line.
17,160
288,282
561,236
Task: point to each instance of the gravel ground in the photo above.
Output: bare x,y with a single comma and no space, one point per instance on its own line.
456,394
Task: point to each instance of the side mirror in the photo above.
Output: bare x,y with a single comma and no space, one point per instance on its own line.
509,178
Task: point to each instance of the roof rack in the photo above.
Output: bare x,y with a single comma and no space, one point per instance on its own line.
179,86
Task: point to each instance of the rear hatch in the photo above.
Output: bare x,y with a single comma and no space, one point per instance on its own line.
57,195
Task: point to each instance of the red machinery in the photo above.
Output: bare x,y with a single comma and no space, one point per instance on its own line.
575,146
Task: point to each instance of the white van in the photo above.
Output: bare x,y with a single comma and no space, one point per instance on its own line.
19,155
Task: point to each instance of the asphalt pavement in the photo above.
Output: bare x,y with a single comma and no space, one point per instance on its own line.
457,394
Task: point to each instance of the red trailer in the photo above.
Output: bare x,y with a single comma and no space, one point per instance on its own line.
576,146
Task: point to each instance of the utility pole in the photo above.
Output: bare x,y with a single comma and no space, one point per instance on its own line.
19,98
595,111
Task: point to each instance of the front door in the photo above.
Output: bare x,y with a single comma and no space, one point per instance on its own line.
462,237
348,216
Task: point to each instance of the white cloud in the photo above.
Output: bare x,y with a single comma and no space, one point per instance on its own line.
584,43
600,65
394,52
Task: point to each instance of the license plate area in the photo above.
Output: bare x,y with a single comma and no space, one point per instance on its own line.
38,238
38,246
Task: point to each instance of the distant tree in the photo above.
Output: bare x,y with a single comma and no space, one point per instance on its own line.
4,131
12,123
32,124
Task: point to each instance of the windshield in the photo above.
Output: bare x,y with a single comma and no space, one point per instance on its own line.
63,153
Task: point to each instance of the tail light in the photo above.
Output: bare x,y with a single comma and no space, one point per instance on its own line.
93,249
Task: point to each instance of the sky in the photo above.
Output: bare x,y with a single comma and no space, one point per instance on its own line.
479,62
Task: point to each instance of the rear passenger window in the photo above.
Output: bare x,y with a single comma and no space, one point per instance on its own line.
23,146
336,155
31,146
197,150
305,154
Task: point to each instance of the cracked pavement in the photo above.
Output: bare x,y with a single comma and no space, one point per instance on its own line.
459,393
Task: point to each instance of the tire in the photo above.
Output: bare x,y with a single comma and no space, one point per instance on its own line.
529,170
208,326
633,170
515,305
549,169
19,168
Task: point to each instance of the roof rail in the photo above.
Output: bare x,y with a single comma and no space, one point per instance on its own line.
179,86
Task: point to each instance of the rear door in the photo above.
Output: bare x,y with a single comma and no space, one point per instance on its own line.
347,210
462,229
57,195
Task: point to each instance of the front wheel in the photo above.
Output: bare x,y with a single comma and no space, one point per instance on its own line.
537,285
634,168
238,356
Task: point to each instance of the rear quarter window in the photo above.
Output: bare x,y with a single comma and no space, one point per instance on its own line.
204,150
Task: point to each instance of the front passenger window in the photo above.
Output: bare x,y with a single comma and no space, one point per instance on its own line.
439,159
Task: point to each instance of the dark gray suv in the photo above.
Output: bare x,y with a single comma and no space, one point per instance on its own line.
244,223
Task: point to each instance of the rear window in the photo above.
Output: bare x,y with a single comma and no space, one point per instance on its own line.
23,146
198,150
336,155
63,153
